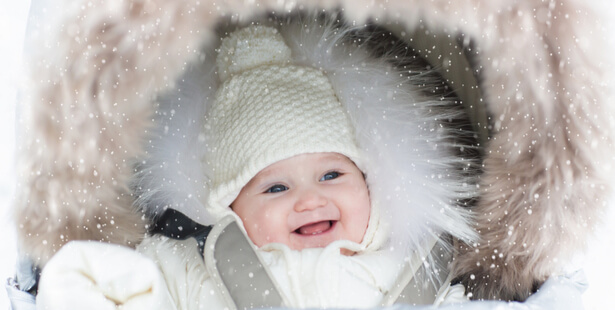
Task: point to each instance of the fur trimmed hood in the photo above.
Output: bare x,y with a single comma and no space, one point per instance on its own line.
92,102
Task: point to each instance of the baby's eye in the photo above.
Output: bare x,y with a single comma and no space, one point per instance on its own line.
276,188
330,176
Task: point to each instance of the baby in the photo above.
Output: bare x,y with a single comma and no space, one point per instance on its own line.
289,189
282,150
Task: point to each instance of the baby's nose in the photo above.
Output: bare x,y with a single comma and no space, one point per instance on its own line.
309,200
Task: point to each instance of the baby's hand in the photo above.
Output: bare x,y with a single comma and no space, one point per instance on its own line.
95,275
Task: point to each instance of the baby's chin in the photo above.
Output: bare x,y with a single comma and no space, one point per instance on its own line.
343,251
313,236
279,245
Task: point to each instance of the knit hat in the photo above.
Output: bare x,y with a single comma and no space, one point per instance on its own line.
267,110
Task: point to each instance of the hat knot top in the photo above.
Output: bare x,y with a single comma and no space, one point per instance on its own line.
250,48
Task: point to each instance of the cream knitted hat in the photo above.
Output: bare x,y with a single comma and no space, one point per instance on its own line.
267,110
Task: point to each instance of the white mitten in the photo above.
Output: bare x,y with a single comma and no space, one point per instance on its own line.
95,275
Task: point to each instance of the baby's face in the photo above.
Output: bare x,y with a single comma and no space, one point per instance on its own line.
306,201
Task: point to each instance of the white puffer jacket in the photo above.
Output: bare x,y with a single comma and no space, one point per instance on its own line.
171,274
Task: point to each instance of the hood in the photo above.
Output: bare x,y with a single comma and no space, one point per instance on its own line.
417,185
95,102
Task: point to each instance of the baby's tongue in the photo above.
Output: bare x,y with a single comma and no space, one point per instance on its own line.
315,228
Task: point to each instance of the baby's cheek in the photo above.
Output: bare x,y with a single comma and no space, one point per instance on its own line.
255,227
260,226
254,233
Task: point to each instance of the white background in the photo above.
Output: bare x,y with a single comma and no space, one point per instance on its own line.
599,263
13,14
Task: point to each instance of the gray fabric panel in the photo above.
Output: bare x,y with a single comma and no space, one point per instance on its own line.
418,293
426,291
241,271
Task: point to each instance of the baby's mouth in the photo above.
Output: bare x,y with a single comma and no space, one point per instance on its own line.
315,228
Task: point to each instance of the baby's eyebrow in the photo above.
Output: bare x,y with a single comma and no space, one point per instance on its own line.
339,158
263,174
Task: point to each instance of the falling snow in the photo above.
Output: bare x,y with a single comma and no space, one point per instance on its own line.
14,15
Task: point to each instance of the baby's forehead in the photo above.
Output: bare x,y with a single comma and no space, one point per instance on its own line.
316,159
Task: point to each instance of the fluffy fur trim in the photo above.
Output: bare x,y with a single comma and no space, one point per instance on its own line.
90,104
